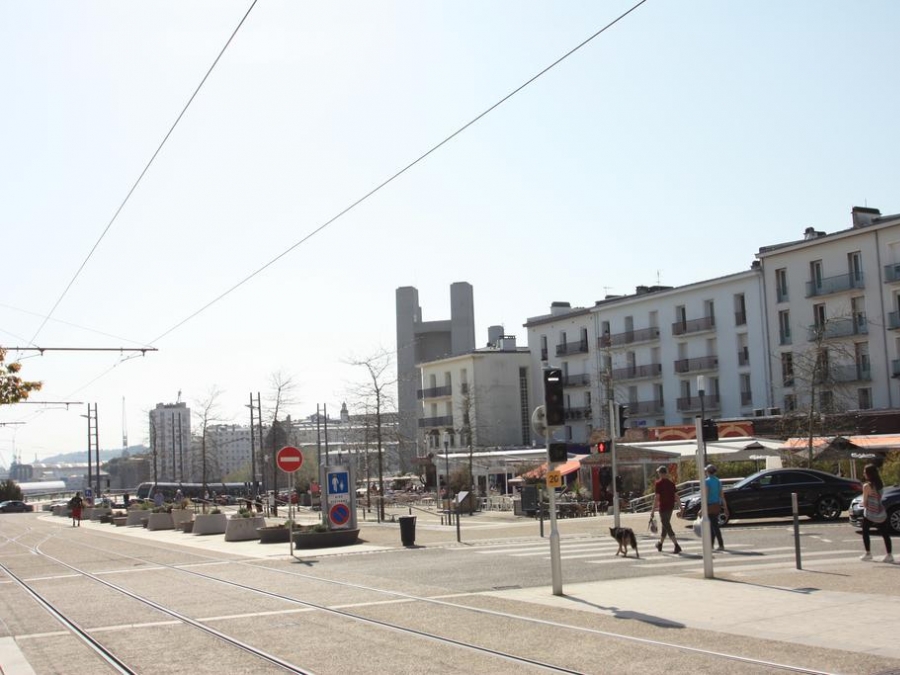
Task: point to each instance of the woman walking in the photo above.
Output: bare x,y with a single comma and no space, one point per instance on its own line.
874,515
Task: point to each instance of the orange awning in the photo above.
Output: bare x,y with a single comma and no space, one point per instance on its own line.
565,469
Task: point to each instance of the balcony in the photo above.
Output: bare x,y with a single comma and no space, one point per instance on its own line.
854,372
892,273
692,403
582,380
838,284
637,372
695,365
781,295
583,413
744,357
580,347
894,320
740,318
637,408
838,328
428,422
629,337
694,326
434,392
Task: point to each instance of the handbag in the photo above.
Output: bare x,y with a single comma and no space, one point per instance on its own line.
873,511
654,528
697,526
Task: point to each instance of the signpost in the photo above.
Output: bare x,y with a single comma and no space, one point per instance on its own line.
339,498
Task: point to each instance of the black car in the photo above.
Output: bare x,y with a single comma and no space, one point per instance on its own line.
15,506
890,497
767,494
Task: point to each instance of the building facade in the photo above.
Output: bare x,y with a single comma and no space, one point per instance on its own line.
170,442
832,309
420,341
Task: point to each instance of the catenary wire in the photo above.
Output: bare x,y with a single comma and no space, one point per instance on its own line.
398,173
143,173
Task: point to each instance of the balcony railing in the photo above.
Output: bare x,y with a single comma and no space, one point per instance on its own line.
892,273
697,364
446,421
894,320
580,347
740,318
838,284
784,337
692,403
694,325
579,413
581,380
853,372
781,295
434,392
838,328
744,357
629,337
636,408
637,372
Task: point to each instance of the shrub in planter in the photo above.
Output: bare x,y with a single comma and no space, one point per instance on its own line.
319,536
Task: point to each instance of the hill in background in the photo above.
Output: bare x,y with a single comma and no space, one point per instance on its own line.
105,455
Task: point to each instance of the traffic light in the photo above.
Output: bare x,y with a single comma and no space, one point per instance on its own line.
710,430
603,447
557,452
554,403
622,411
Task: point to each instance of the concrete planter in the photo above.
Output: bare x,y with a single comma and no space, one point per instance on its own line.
325,539
243,529
62,511
134,517
160,521
180,516
120,521
187,526
96,513
210,523
274,535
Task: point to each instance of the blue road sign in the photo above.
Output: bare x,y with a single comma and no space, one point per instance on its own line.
338,483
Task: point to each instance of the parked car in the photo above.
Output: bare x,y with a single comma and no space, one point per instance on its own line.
15,506
890,497
767,494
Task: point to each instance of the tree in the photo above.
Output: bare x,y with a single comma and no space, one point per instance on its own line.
12,387
206,412
280,397
377,366
9,489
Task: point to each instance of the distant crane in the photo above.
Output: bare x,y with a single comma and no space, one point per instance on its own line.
179,396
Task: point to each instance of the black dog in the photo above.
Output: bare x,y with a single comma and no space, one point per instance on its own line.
625,537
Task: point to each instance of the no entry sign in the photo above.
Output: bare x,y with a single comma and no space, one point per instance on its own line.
289,459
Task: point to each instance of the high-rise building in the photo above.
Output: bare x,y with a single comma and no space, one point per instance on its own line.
170,442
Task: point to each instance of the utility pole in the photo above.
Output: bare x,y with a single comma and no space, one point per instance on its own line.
253,487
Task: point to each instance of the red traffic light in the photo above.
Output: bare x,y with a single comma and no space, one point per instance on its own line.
603,447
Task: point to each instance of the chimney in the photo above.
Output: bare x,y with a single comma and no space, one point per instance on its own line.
812,233
863,216
559,308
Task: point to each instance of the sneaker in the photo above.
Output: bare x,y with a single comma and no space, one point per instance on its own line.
720,548
888,558
866,556
659,546
677,549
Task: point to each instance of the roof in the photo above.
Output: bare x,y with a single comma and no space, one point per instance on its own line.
733,449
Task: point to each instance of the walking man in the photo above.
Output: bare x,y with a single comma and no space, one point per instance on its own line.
664,502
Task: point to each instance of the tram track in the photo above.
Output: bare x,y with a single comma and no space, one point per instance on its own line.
444,603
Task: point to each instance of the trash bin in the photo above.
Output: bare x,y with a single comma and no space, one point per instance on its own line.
408,530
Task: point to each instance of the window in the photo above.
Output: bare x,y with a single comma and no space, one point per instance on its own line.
790,403
784,327
826,401
787,369
854,262
584,338
781,284
858,310
709,309
815,275
740,310
865,398
819,316
543,347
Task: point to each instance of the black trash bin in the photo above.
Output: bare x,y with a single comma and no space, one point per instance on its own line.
408,530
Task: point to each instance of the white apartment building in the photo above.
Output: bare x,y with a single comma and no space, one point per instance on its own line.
832,310
229,449
649,350
170,442
480,399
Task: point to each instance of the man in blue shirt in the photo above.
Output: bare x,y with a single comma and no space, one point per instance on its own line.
715,501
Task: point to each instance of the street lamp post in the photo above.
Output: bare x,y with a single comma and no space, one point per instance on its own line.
447,474
705,529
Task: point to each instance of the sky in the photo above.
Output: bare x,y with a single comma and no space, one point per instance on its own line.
667,150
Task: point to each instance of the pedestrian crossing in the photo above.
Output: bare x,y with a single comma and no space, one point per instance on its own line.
736,557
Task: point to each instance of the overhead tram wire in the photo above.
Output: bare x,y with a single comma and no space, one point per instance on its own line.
143,173
399,173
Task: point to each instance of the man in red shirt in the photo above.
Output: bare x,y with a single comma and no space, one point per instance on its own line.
664,502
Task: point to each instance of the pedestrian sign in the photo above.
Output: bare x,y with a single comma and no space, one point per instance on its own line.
338,483
338,497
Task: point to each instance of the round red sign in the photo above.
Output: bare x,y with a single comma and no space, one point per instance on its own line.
289,459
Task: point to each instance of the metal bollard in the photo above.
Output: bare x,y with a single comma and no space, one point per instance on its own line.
795,509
